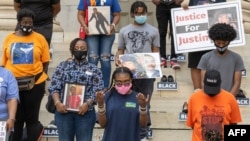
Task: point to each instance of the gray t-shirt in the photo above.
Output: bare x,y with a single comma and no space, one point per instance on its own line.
227,65
138,39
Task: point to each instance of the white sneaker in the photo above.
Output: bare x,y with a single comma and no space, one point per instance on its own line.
144,139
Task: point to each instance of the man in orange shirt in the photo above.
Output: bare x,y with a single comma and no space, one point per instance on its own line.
210,108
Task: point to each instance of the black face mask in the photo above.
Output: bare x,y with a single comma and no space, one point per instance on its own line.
80,55
211,95
26,29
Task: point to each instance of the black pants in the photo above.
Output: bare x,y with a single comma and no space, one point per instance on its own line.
46,31
145,86
163,16
28,112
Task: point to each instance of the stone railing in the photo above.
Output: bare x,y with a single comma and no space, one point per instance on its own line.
245,4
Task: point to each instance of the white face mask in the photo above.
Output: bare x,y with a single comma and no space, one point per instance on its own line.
221,50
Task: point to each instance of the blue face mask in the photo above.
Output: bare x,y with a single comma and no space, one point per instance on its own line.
141,19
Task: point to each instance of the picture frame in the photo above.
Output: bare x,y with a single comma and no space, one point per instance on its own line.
190,27
73,96
99,20
4,134
142,65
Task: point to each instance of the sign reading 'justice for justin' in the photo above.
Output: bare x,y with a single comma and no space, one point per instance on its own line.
190,26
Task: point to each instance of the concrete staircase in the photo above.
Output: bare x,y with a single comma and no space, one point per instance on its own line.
165,104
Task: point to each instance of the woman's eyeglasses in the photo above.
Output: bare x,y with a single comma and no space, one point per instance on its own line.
125,83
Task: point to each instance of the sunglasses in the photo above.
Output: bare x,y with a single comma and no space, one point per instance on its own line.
125,83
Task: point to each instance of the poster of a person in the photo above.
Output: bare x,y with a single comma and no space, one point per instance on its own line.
143,65
99,20
190,26
73,96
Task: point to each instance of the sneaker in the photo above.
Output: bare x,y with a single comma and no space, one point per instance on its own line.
170,78
240,94
174,64
185,107
164,78
52,124
150,133
163,62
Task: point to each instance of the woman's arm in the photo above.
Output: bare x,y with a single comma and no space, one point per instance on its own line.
56,8
17,6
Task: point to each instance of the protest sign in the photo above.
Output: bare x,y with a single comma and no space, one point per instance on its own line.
190,26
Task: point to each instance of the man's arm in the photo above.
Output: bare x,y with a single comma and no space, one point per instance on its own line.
56,8
202,77
156,2
17,6
236,84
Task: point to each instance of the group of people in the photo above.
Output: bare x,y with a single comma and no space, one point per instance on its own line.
25,61
125,100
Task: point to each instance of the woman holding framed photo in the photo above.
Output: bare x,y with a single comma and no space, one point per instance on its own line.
83,79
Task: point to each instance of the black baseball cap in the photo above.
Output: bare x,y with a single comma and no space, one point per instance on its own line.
212,82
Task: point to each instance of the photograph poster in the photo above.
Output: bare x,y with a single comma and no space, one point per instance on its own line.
142,65
190,27
73,96
99,20
3,133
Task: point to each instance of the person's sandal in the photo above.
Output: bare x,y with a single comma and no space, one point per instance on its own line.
185,107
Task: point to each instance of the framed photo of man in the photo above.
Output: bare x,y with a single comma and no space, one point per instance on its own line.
190,27
142,65
99,20
73,96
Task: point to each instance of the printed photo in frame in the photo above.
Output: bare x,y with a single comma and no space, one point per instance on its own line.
4,135
73,96
99,20
142,65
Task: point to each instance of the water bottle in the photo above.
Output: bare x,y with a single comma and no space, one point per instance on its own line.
82,33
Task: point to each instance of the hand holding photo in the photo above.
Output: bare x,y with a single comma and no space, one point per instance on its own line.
143,65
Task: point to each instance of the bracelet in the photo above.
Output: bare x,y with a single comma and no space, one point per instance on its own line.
12,119
56,102
102,113
142,109
143,112
90,105
101,109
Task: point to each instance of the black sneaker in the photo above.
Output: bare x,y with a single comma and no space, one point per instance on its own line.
240,94
170,78
164,78
185,107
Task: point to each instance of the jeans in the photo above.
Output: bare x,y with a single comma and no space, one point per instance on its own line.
146,87
28,112
99,48
163,16
71,125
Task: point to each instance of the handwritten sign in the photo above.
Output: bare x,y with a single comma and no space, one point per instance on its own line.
190,26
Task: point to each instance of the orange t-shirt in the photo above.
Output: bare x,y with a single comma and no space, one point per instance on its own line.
25,55
207,113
